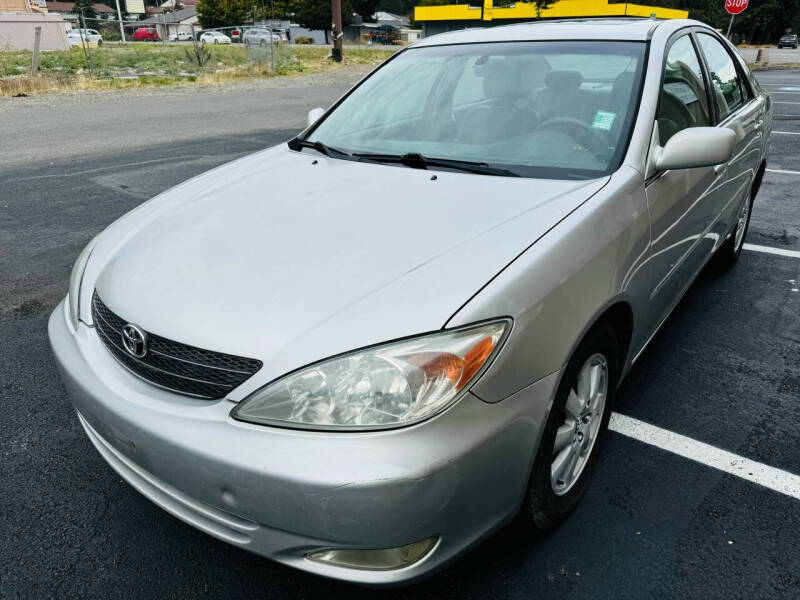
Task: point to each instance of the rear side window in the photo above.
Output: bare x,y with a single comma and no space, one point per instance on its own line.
683,102
727,84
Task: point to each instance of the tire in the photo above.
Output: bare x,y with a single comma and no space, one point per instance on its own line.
99,43
216,42
544,507
729,252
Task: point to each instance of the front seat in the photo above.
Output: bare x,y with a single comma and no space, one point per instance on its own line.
505,115
562,96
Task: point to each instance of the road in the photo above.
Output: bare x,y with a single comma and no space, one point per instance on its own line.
725,371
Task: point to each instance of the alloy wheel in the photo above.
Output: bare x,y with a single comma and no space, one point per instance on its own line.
583,416
741,226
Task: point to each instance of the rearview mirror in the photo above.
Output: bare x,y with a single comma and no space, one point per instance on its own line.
696,147
313,116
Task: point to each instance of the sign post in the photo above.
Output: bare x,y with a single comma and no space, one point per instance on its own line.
734,7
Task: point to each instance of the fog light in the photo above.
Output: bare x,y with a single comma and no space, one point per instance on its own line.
378,559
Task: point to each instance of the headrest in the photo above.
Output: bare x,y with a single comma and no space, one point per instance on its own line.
513,77
623,84
503,80
564,81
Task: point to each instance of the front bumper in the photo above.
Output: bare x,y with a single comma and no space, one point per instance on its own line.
284,493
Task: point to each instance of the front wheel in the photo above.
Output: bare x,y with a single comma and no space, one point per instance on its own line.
574,430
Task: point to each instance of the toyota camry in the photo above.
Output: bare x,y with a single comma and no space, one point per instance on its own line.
362,351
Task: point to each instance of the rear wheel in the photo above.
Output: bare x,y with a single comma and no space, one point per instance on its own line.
575,428
732,248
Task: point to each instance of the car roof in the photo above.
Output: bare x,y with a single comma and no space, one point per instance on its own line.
626,29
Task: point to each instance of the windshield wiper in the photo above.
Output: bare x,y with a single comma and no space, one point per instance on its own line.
297,144
420,161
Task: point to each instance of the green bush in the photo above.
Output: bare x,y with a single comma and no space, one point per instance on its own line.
303,39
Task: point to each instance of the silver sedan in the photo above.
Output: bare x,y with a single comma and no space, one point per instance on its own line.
361,352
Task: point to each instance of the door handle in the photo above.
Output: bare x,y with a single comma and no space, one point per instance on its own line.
720,169
759,125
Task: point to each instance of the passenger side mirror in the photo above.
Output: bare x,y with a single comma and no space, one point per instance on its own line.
696,147
313,116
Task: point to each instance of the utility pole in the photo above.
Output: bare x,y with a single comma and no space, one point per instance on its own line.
338,34
121,28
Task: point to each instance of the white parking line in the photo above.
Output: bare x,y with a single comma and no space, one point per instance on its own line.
771,250
774,479
783,171
786,133
781,102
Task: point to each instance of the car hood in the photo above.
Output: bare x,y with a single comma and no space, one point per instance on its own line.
290,257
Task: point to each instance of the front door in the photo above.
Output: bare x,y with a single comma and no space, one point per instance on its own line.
681,214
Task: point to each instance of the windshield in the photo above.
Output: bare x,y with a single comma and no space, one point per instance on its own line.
535,109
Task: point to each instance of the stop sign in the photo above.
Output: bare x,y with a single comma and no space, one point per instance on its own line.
734,7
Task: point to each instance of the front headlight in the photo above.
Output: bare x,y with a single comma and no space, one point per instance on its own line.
75,278
385,386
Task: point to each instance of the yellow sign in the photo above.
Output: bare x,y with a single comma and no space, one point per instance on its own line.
559,10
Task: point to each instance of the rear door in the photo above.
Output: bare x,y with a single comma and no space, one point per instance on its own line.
737,107
680,213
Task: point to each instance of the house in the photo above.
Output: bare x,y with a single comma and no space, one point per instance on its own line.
18,23
387,18
70,14
168,24
484,13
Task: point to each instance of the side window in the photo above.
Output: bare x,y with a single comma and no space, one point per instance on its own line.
683,102
728,86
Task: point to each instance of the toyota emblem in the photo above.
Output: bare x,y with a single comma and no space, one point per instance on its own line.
134,340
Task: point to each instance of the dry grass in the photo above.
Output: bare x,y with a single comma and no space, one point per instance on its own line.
147,65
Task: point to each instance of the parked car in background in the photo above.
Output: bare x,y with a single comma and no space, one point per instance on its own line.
789,40
181,36
214,37
145,34
236,35
493,226
91,36
260,36
74,38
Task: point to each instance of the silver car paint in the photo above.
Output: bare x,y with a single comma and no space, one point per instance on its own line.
554,256
317,281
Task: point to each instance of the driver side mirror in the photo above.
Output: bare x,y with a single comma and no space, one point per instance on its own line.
313,116
696,147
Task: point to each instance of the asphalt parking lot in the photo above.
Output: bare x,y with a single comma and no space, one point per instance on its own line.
719,387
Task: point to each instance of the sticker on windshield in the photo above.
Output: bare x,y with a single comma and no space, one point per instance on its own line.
604,120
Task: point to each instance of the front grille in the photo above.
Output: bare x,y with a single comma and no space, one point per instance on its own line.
173,365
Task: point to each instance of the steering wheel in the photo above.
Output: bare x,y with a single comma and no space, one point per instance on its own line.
578,130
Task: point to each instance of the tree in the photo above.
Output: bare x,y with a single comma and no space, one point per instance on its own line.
220,13
542,5
316,14
87,7
365,8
